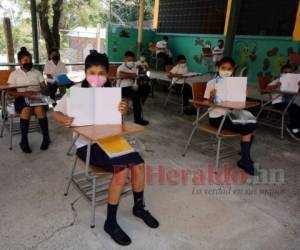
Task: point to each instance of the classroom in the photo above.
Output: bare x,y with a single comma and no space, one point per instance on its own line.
150,124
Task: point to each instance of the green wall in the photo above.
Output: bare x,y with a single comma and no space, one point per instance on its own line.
261,55
121,39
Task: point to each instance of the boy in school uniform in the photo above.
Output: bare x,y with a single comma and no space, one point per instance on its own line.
163,52
218,51
143,80
52,69
28,75
127,75
281,103
178,83
96,69
226,68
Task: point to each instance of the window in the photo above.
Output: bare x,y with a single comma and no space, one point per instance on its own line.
267,17
192,16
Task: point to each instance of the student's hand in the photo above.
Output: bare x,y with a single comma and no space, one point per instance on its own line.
67,121
123,106
278,84
30,94
213,93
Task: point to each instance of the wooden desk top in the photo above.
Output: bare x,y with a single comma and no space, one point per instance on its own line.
98,132
267,91
14,86
228,105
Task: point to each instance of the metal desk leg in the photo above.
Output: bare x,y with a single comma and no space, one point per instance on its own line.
69,152
71,177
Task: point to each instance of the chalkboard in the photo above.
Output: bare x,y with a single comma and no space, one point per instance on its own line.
267,17
192,16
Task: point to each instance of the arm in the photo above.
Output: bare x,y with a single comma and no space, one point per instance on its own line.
49,76
273,85
172,75
43,85
65,120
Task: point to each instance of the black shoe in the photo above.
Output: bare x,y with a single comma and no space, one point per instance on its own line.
295,136
146,217
25,147
142,122
247,167
117,234
45,144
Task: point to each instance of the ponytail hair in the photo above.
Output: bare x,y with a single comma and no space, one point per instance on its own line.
23,52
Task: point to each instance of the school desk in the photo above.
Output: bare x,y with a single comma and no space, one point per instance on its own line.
4,89
273,95
217,132
94,134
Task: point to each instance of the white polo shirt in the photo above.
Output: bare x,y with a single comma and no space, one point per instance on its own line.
54,69
125,82
218,54
216,112
32,77
178,69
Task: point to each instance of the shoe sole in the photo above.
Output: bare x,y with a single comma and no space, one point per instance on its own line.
292,135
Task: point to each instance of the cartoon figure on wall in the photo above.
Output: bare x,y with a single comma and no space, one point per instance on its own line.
202,58
273,63
246,54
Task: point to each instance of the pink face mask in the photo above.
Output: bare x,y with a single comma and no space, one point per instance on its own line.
96,81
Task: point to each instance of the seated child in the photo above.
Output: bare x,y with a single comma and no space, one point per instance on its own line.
226,68
52,69
143,80
127,75
178,83
282,102
96,69
28,75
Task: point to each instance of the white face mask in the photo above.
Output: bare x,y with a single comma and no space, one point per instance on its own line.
143,59
225,73
183,65
130,64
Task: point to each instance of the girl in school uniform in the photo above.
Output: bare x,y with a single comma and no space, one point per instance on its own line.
27,75
226,68
96,69
281,103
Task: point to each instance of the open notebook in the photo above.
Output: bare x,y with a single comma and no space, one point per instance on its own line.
290,83
38,100
94,106
232,89
115,146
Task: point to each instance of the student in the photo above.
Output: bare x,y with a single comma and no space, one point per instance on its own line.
127,74
225,69
178,83
163,52
143,80
218,51
53,68
96,69
281,103
27,75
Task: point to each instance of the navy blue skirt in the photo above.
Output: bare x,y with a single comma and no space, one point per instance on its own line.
20,103
101,159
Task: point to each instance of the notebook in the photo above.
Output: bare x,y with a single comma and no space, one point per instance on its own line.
232,89
115,146
242,117
63,79
290,83
39,100
94,106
